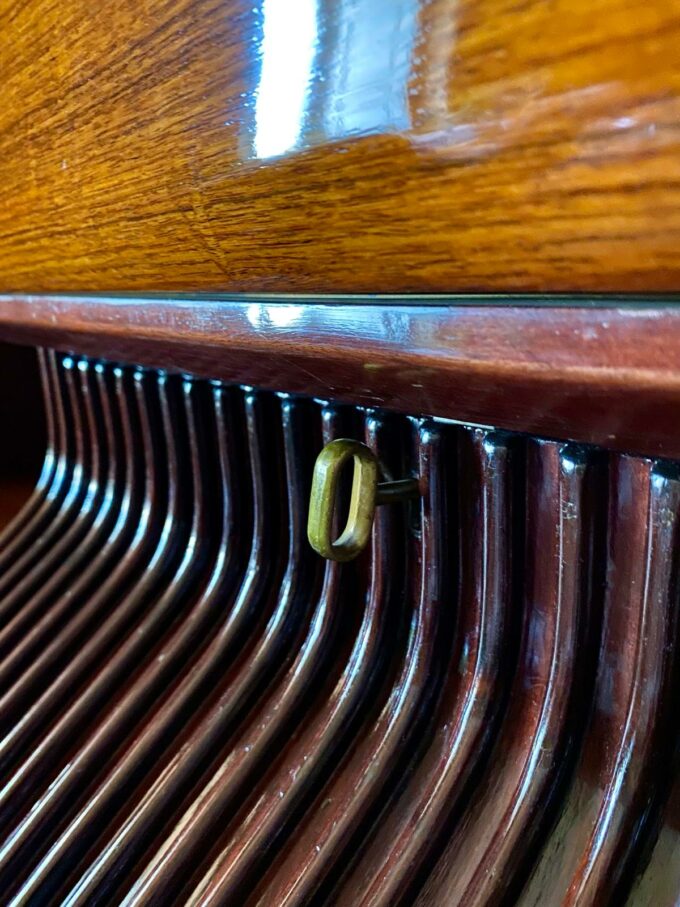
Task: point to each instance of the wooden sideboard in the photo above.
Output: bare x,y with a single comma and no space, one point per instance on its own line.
446,231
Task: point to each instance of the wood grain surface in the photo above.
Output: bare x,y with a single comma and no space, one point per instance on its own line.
609,376
340,145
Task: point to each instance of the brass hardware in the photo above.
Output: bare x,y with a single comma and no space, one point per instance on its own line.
367,492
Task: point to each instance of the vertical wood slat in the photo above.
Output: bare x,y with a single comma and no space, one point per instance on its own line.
604,812
406,830
328,832
494,834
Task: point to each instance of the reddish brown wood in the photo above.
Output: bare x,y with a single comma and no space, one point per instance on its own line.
216,602
302,766
441,721
326,835
206,738
77,560
256,582
74,496
494,835
140,519
604,814
166,578
609,376
388,867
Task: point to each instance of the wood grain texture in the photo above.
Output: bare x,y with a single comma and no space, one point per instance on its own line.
606,376
398,145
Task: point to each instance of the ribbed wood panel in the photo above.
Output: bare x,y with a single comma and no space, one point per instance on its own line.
195,709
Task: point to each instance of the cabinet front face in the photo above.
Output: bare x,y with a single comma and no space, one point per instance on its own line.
340,584
476,706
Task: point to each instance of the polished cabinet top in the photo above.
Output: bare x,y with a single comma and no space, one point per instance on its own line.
340,145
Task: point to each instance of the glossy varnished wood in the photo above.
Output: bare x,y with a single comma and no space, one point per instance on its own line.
397,146
606,812
495,834
480,710
327,835
244,838
609,376
387,868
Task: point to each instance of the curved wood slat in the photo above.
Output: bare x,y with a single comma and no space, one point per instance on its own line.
58,625
73,543
222,649
303,766
495,834
406,831
35,777
75,562
142,513
328,831
206,737
587,859
63,792
41,759
32,564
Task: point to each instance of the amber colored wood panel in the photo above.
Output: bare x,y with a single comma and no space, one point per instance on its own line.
342,145
607,376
